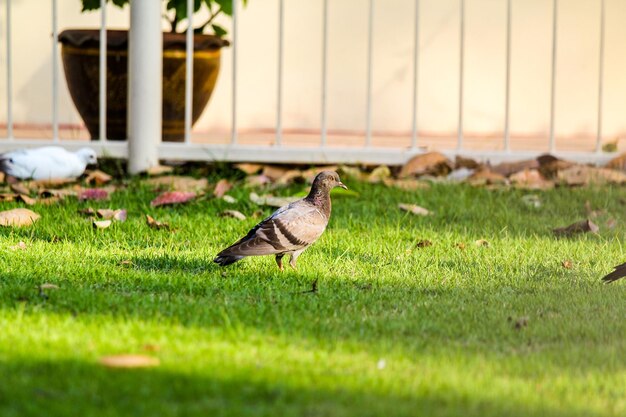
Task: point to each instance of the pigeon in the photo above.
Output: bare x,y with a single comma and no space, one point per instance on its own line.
46,163
619,272
290,229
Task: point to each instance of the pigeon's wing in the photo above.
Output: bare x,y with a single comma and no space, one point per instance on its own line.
49,162
619,272
289,229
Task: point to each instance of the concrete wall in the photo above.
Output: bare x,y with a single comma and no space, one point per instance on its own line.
577,66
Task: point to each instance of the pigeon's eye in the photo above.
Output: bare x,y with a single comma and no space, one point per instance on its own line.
11,160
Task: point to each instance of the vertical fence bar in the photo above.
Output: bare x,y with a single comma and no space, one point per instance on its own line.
600,79
416,41
9,73
368,109
189,48
55,74
103,72
553,77
324,70
507,93
233,131
279,89
459,144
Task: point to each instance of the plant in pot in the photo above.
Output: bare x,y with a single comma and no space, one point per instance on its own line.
80,54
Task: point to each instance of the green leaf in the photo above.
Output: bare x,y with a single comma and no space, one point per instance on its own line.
219,31
226,5
90,5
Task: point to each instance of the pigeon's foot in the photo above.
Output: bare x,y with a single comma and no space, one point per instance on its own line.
279,262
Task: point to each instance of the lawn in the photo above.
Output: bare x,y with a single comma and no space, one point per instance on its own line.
393,329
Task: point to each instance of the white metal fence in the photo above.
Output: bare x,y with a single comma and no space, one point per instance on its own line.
142,13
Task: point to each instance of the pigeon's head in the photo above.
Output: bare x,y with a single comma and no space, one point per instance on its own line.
328,180
88,156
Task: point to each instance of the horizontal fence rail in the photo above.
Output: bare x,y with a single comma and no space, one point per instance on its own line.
325,152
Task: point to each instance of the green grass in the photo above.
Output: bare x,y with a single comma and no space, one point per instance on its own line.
246,341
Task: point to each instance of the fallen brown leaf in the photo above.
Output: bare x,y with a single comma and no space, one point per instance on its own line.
159,170
7,197
19,188
87,211
48,286
530,179
484,176
120,215
26,199
129,361
274,172
521,323
585,175
460,245
481,242
509,168
126,262
156,224
249,169
291,176
101,224
619,162
566,264
462,162
150,347
430,163
97,177
414,209
222,187
172,197
234,214
18,217
575,228
257,180
611,223
52,183
178,183
229,199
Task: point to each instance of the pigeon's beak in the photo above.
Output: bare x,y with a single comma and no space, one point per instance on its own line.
342,185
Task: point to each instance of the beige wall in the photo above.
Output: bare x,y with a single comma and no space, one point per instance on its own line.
577,66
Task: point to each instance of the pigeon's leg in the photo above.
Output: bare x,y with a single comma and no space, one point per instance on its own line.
279,261
294,257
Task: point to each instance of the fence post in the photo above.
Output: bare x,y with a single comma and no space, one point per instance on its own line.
145,46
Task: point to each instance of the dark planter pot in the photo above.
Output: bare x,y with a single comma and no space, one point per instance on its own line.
80,53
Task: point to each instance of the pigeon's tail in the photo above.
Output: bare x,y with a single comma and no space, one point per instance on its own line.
620,272
223,260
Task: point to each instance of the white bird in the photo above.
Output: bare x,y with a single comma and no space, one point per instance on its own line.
46,163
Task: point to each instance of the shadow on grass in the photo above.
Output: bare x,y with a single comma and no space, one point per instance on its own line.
64,388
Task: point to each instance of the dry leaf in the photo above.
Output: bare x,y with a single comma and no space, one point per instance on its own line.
156,224
18,217
550,165
52,183
222,187
105,213
591,212
149,347
509,168
58,194
379,174
257,180
234,214
229,199
159,170
126,262
96,194
430,163
414,209
20,188
129,361
291,176
7,197
530,179
532,200
619,163
172,197
19,246
462,162
274,172
585,175
270,200
578,227
178,183
408,184
102,224
424,243
460,174
97,177
249,169
26,199
566,264
120,215
484,176
611,223
481,242
521,322
460,245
